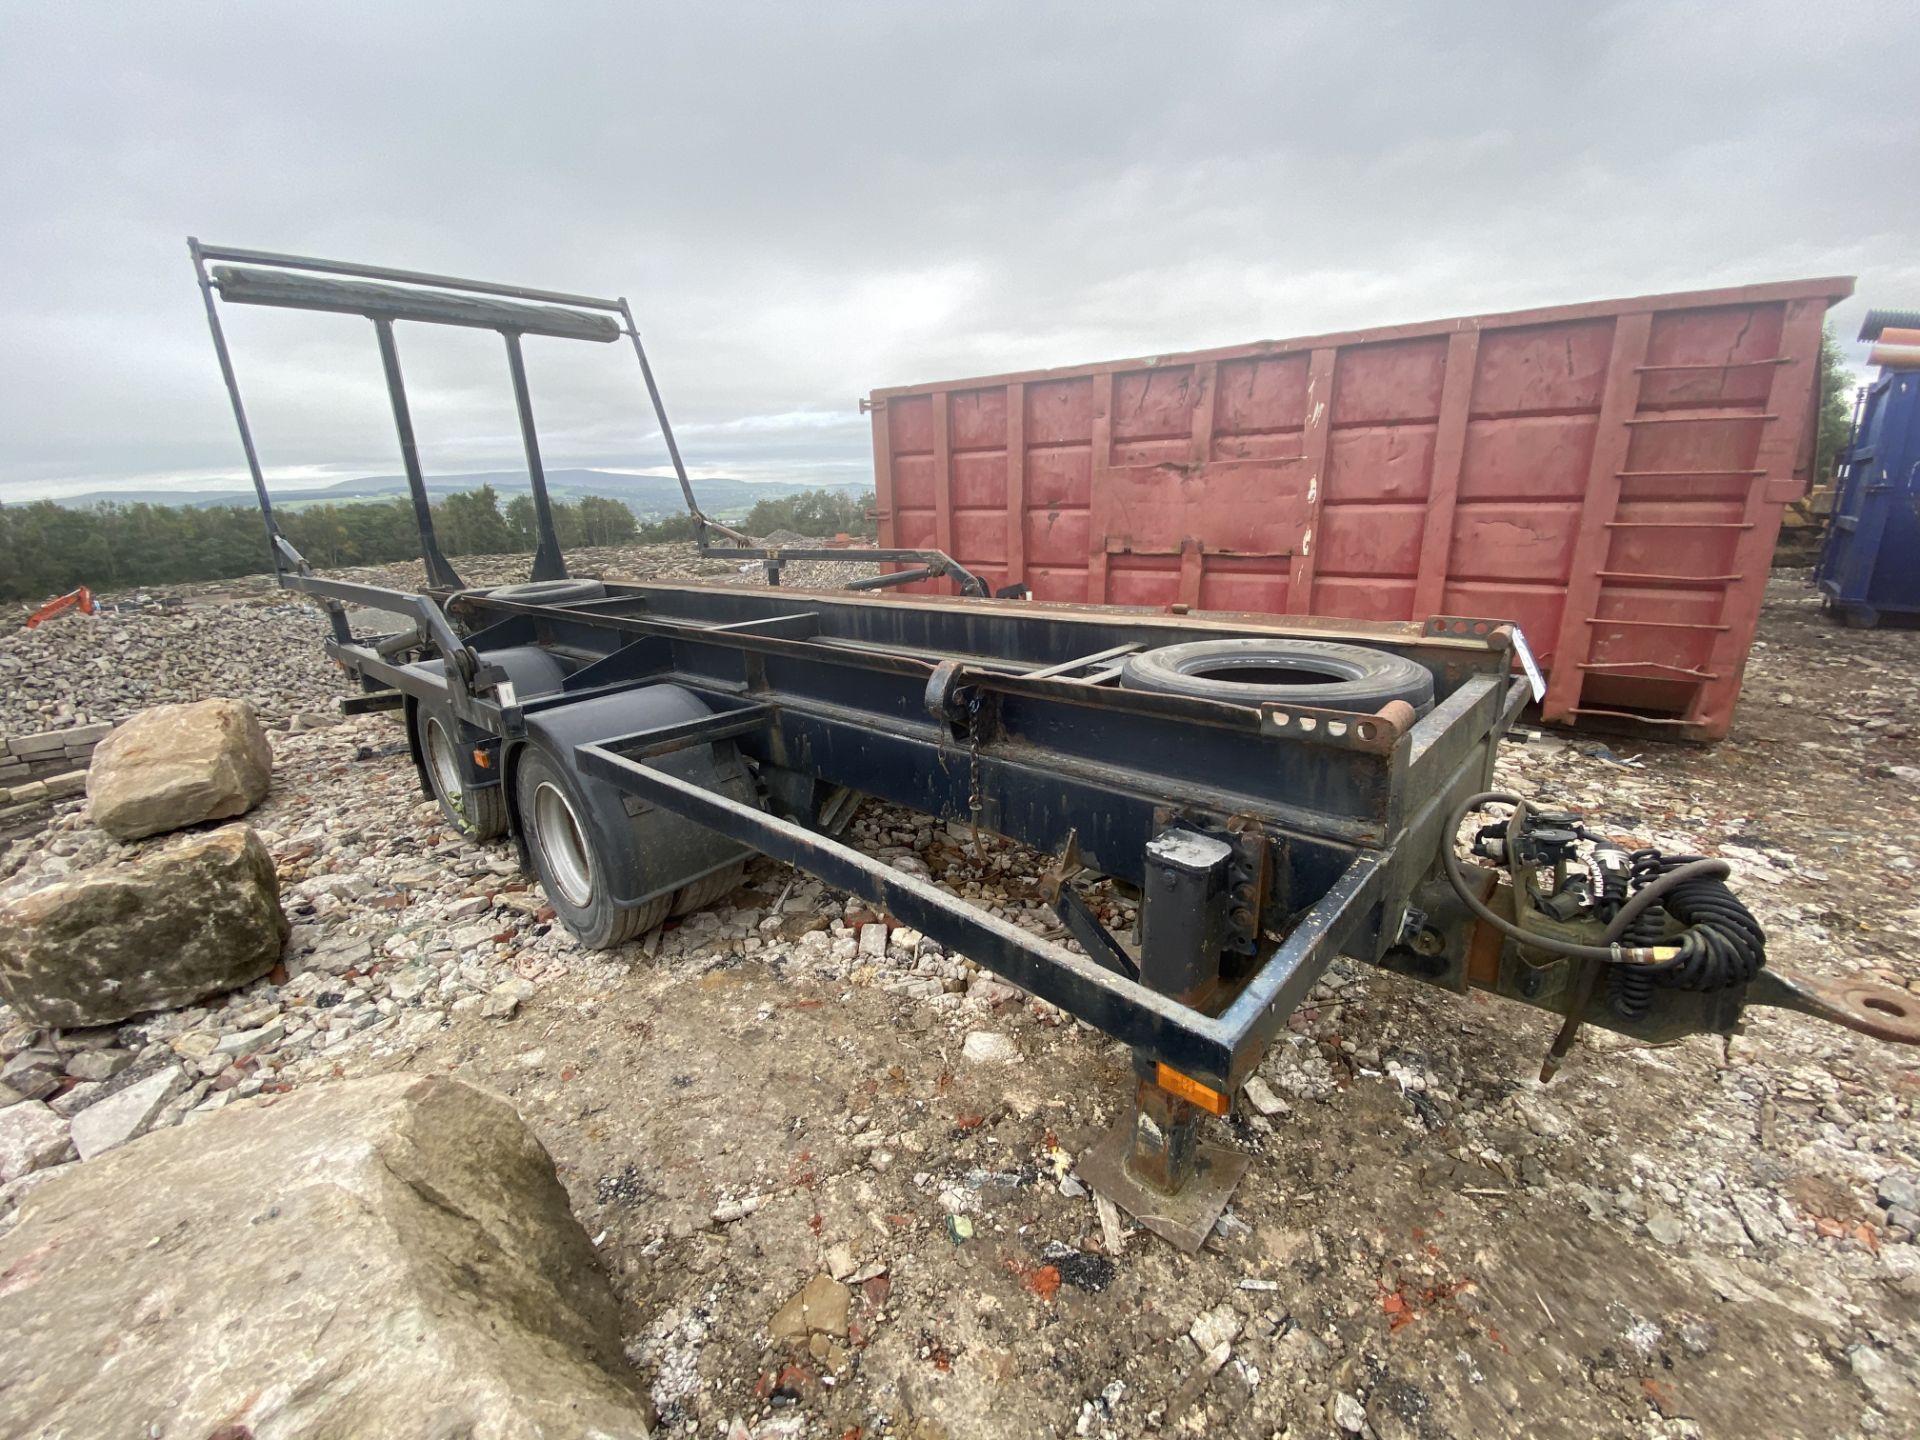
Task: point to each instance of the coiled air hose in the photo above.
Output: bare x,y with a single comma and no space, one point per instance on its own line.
1721,946
1630,988
1722,943
1612,952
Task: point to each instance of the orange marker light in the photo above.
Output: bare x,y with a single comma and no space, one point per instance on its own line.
1189,1089
482,757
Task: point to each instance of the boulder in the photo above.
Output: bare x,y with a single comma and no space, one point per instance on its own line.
177,765
387,1256
167,928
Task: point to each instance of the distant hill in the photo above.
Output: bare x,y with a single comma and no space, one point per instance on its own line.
648,496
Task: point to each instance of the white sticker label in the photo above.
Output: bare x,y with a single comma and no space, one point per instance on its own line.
1529,664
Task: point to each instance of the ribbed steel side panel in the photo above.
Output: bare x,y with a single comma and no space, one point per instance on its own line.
1870,565
1610,475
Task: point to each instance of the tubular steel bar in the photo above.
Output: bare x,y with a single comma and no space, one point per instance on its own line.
279,261
274,541
433,299
386,302
439,571
666,426
548,562
267,277
1219,1051
931,563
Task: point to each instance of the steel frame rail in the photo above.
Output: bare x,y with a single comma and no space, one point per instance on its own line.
1220,1050
880,695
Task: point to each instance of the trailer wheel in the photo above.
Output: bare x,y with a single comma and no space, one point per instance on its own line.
1299,672
553,820
698,894
479,813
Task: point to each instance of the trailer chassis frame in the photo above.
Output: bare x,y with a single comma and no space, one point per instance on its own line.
1349,854
1262,840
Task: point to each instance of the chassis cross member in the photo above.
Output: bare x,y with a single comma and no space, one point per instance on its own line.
639,741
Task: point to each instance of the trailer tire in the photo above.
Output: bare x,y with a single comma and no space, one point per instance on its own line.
549,592
698,894
1320,673
477,812
559,839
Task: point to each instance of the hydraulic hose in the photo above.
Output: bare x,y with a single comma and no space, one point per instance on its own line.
1611,952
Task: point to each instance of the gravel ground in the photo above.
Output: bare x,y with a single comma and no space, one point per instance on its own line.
248,639
79,669
1676,1241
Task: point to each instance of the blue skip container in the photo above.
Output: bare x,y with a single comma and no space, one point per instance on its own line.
1869,568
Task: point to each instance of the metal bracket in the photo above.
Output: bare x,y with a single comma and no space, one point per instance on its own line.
1496,634
1094,937
1375,734
946,695
1185,901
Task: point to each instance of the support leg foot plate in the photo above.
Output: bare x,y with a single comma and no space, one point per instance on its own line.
1183,1220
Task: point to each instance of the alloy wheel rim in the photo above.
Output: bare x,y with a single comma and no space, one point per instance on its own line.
563,845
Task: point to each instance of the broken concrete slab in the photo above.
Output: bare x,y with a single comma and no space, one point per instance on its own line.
410,1267
173,926
109,1123
178,765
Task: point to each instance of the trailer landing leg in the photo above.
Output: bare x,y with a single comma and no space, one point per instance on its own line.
1155,1166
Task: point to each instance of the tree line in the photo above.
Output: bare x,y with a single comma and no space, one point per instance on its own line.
48,549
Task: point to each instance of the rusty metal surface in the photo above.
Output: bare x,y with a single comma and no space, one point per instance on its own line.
1608,475
1875,1010
1895,357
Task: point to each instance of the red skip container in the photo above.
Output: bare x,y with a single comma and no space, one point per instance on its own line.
1609,475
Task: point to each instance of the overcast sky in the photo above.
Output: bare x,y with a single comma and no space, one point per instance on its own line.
807,201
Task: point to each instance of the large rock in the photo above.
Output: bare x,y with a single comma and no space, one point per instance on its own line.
170,927
177,765
390,1256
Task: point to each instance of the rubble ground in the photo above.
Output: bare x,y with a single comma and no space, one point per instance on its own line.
830,1168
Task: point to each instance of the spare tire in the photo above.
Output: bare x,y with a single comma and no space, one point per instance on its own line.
549,592
1320,673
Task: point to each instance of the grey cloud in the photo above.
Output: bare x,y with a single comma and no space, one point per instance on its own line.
805,202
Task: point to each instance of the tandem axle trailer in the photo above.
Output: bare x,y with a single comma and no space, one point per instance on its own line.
1273,793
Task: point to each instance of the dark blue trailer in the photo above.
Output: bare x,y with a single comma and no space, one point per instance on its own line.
1870,565
1270,793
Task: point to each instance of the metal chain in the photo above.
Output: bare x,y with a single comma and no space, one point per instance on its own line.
973,769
